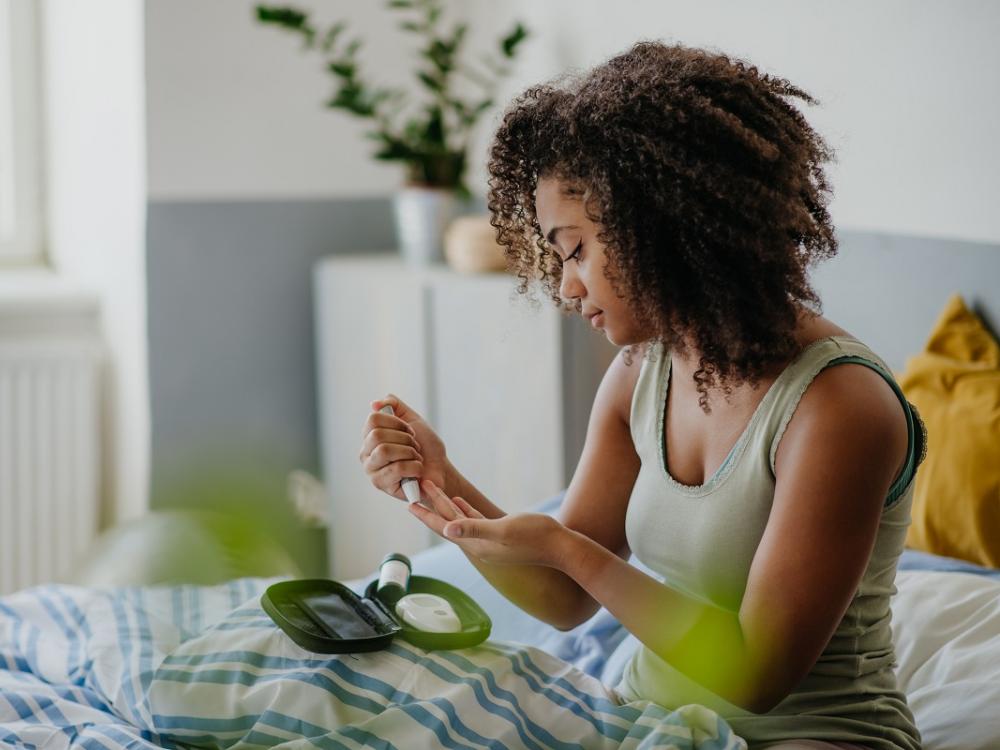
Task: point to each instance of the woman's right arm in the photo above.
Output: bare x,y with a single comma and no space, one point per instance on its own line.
594,504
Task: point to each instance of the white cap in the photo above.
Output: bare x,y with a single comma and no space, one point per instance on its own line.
412,490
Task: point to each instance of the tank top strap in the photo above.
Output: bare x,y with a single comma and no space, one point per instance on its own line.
793,381
645,398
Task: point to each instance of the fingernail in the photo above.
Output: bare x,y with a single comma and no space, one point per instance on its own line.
453,532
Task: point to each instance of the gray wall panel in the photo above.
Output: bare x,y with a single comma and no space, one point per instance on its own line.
887,290
232,376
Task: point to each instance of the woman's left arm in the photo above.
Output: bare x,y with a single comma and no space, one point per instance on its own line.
834,467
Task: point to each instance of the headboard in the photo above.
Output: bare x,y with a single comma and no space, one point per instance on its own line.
888,290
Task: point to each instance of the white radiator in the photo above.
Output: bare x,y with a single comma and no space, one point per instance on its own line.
50,442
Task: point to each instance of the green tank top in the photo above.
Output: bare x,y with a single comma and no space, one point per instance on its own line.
701,541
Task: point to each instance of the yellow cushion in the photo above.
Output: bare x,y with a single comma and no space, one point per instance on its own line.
955,385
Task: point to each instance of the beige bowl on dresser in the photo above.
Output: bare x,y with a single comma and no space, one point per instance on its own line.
470,246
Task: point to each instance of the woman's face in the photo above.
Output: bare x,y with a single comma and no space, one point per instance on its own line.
573,237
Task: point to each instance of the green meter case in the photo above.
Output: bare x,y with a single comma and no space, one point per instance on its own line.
327,617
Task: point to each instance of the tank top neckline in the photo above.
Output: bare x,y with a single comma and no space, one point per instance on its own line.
732,458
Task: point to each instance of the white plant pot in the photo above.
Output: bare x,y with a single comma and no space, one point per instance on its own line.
422,215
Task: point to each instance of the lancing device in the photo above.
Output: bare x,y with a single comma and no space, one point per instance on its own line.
411,487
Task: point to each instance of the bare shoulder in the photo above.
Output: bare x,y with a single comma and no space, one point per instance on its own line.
852,396
853,383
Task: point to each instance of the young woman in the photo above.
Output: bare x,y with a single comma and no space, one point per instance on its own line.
676,198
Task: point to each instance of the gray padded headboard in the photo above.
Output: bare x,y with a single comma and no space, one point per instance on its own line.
887,290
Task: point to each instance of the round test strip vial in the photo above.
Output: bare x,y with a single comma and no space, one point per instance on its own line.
393,577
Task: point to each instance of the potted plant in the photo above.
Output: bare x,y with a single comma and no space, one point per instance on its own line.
430,139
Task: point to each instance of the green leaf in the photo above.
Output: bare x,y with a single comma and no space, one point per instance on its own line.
288,18
399,4
393,148
342,69
331,35
434,131
440,55
432,83
411,26
510,42
413,130
468,116
458,36
350,97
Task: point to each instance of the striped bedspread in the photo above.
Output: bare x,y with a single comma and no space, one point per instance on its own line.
188,666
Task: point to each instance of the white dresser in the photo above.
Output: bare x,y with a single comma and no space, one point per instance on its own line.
508,387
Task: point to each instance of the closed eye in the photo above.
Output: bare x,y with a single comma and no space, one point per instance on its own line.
575,255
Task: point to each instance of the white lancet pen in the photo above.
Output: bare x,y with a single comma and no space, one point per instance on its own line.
411,486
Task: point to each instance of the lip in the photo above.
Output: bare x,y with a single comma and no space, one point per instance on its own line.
597,319
592,315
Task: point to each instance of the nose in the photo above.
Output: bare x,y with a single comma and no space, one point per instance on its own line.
571,287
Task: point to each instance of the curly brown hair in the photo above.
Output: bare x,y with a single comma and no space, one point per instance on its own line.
707,187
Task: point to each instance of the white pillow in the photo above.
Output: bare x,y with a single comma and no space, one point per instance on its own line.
946,628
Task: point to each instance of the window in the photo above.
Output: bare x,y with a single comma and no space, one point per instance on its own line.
21,236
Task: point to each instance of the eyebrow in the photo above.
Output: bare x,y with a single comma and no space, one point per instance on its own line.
551,237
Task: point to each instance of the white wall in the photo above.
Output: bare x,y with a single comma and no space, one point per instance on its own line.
907,91
96,203
236,108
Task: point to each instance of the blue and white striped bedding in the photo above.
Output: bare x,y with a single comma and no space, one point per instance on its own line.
144,667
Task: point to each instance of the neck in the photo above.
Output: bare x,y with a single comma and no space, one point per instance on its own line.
687,364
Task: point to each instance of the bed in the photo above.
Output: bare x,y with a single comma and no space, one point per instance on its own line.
60,688
81,666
